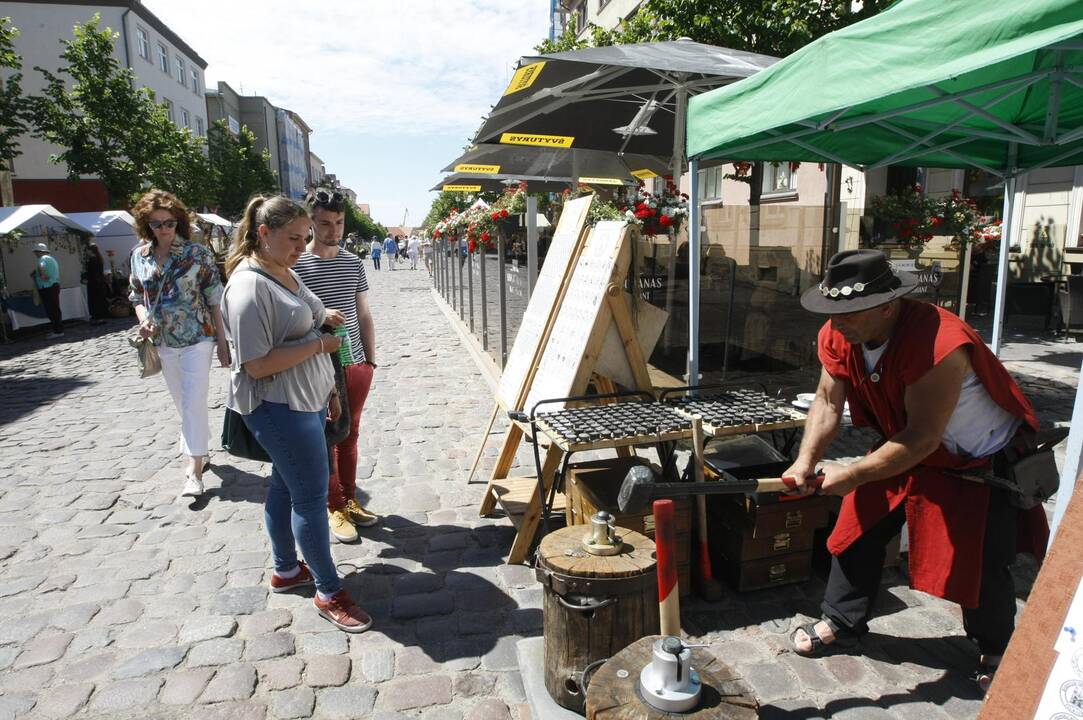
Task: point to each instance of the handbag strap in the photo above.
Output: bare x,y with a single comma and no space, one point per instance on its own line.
161,288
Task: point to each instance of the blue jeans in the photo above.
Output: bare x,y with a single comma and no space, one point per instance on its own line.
296,505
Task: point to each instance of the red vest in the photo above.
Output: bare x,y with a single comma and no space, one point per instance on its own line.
945,515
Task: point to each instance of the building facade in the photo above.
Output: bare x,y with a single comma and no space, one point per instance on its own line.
604,13
254,112
293,152
317,171
159,58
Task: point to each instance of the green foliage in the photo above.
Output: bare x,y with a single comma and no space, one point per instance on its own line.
109,128
238,170
444,203
361,225
14,107
775,28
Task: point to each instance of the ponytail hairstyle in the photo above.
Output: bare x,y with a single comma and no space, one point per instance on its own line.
274,211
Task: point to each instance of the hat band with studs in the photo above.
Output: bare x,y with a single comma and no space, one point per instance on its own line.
848,290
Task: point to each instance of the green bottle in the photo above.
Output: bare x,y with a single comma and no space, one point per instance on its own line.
345,356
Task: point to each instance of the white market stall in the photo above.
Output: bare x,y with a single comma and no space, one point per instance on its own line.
22,227
220,231
114,232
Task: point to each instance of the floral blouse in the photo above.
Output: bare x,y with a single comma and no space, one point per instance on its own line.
192,288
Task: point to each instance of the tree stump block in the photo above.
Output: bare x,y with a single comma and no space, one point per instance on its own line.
613,693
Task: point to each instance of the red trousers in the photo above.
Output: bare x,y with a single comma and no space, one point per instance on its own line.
342,485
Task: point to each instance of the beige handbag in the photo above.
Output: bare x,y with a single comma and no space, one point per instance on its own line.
150,362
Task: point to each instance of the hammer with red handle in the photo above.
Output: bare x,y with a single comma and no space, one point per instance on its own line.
640,488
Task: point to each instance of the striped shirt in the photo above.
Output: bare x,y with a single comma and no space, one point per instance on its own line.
336,282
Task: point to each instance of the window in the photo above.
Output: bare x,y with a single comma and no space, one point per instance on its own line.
200,130
186,119
602,4
579,13
182,76
163,59
168,105
779,178
195,81
142,42
710,183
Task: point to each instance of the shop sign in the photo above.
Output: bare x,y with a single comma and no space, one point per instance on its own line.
644,174
511,138
462,188
652,288
524,77
477,169
600,181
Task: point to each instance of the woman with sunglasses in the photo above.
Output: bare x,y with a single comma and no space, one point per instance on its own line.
176,291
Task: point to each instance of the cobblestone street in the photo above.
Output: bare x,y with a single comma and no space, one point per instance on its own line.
120,600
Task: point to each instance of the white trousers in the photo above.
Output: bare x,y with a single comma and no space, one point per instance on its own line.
187,373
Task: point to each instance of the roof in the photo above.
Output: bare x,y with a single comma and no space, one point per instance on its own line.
146,15
215,219
21,216
108,223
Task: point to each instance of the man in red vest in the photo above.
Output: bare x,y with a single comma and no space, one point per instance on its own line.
941,401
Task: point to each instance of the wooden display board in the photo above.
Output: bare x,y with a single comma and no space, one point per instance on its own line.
537,322
1026,669
593,302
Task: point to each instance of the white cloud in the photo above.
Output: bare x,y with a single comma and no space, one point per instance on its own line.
411,67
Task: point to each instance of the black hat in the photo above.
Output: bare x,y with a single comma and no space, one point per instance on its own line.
857,280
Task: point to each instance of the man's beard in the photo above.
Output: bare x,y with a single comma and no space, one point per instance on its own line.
329,243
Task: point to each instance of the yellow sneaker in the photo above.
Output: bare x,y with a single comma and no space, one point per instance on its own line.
341,527
360,516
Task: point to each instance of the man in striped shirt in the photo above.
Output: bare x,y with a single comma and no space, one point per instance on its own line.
337,277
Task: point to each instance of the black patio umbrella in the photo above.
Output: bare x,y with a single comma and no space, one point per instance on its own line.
623,98
570,163
473,182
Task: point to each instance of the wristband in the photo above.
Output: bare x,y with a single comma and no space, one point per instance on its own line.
371,364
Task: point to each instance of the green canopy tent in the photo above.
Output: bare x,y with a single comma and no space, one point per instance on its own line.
995,85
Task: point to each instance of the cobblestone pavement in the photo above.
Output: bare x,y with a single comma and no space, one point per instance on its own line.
119,600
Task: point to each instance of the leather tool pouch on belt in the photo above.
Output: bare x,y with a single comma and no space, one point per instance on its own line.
1028,467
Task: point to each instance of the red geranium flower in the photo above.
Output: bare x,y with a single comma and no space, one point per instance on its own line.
471,245
504,213
485,236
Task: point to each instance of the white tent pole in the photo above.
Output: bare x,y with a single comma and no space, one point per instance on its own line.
1005,243
693,271
1072,460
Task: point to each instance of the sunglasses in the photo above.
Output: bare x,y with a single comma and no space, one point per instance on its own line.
322,197
159,224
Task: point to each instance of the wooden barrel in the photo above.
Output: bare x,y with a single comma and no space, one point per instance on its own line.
595,606
614,690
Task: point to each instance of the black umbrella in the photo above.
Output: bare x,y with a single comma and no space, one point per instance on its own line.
623,98
571,164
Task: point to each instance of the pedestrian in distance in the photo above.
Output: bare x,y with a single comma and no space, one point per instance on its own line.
337,277
282,385
376,249
97,293
391,250
426,253
176,291
46,274
942,402
413,249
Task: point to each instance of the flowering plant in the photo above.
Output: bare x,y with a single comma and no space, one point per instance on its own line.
659,213
909,215
959,218
512,201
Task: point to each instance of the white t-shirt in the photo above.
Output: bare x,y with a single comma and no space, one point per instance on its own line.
414,245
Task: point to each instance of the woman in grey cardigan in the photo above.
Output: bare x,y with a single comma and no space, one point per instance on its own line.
283,387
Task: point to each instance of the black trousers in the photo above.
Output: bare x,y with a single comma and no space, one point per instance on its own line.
50,298
854,580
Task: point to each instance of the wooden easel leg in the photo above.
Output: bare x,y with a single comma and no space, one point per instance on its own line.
503,466
484,442
606,385
529,526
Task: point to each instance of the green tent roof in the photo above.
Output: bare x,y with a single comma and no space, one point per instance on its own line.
939,83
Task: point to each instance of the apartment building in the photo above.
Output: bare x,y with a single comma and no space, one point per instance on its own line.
159,58
293,153
604,13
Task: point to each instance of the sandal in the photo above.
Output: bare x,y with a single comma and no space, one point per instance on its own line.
843,638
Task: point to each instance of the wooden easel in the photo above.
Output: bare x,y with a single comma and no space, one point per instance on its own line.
594,301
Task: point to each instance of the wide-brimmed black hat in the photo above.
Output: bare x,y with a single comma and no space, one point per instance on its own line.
857,280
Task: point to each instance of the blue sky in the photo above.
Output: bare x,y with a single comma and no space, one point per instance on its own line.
392,90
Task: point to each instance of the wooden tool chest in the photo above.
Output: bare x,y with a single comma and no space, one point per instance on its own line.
592,486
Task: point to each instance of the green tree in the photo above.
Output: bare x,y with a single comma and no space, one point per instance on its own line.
364,227
775,28
14,109
444,203
109,128
238,170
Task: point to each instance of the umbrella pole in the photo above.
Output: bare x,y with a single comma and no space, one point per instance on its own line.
693,272
1005,243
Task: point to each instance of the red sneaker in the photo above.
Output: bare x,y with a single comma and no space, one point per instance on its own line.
281,584
341,612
